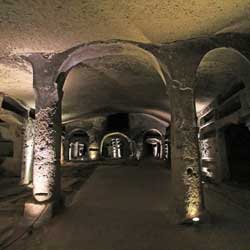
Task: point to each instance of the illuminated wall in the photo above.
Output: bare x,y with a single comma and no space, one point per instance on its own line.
208,156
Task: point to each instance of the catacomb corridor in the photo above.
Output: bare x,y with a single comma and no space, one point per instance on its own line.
124,125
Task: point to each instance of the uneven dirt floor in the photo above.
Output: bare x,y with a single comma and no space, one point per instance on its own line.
12,199
124,207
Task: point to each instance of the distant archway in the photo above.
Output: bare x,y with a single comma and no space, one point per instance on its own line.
77,142
116,145
153,144
82,58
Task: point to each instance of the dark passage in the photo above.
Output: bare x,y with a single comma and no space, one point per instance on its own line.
238,151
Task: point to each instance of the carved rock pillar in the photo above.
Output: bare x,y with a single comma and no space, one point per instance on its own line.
46,173
185,155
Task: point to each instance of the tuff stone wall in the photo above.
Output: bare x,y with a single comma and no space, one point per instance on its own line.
12,132
140,123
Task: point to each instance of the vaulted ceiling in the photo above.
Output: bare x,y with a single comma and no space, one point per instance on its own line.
34,25
111,83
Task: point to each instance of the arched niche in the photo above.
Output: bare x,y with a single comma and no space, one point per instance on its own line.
218,70
79,63
76,145
152,144
116,145
223,92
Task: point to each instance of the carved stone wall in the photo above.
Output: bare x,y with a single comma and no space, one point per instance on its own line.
12,133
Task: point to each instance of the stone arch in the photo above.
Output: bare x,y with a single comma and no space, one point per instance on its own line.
101,49
75,56
231,98
230,61
157,141
70,133
119,134
153,130
231,58
82,147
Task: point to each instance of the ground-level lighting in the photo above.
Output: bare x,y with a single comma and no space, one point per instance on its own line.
196,219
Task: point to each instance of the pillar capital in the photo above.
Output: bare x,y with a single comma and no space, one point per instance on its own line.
45,68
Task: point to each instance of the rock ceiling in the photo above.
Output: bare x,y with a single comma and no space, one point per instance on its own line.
28,26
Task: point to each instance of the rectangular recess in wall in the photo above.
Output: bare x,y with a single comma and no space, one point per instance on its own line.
231,106
13,106
234,89
207,118
6,148
207,134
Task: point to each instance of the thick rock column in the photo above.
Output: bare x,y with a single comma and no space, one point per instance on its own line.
46,173
28,151
48,96
47,86
185,155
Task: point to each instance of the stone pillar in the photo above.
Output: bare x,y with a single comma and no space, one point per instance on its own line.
48,96
166,149
47,140
139,150
28,152
46,173
167,146
114,148
66,149
222,172
185,155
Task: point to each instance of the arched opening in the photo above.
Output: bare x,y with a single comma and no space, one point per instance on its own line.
124,78
223,79
108,68
220,70
116,146
78,142
153,144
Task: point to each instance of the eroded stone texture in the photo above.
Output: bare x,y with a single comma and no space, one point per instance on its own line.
185,154
12,132
28,152
47,144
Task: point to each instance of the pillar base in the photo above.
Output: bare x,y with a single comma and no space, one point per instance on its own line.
204,218
37,214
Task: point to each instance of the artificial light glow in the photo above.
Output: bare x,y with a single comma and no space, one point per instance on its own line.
94,151
93,154
207,172
196,219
